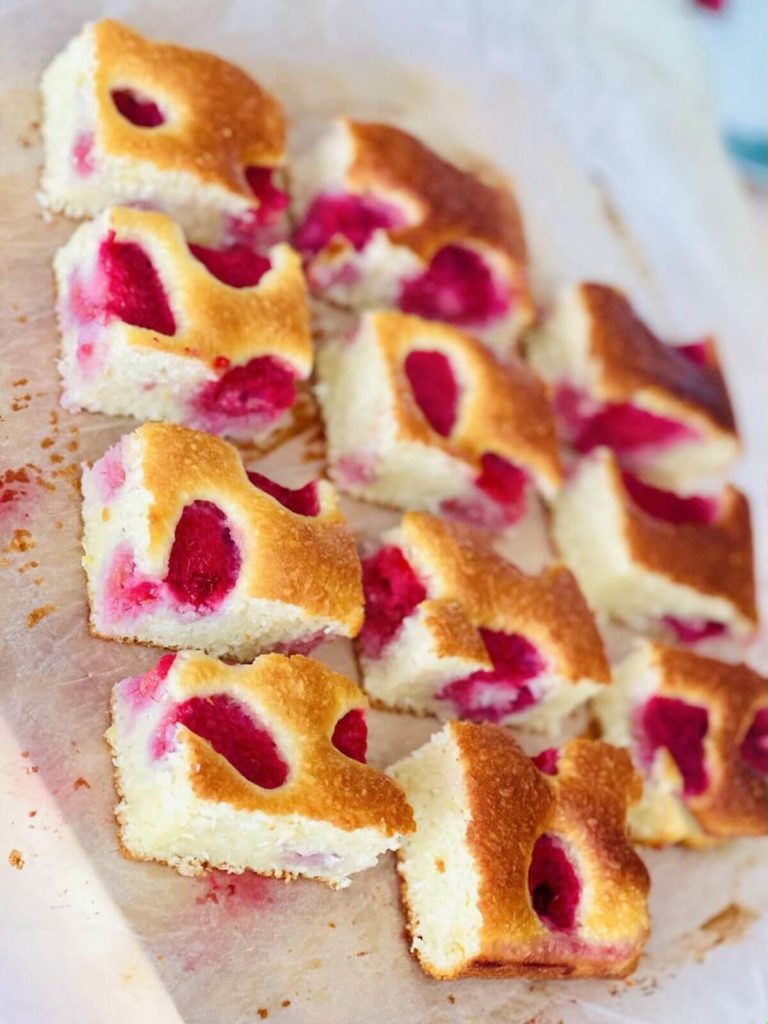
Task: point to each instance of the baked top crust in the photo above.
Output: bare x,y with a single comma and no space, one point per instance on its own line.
631,359
462,570
214,320
714,558
219,121
307,561
504,407
449,205
735,801
512,803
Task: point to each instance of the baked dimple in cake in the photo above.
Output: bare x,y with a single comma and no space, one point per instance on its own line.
521,869
383,221
419,415
158,329
663,409
454,630
184,548
654,559
252,767
131,121
697,730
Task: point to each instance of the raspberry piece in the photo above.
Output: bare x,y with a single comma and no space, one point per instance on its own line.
354,218
680,728
457,287
754,749
302,500
351,735
205,561
553,884
134,292
138,109
239,266
505,483
435,389
272,200
392,592
546,760
668,506
263,386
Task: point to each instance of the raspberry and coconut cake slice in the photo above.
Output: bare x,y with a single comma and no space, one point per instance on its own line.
454,630
383,221
521,868
697,730
130,121
184,548
663,409
154,328
253,767
656,560
419,415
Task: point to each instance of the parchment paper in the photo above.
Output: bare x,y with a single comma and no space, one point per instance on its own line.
601,114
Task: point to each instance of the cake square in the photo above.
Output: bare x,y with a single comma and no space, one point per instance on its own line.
656,560
184,548
521,869
419,415
127,121
252,767
154,328
383,222
454,630
697,730
663,409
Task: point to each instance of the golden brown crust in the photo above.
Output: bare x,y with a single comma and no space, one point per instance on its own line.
504,408
452,632
632,359
220,120
511,804
453,205
307,561
735,801
212,318
461,565
713,558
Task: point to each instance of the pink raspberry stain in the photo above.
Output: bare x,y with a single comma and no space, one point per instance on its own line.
233,732
272,201
680,728
141,691
668,506
237,266
495,694
501,495
139,110
109,472
353,218
355,469
258,391
699,352
690,631
237,893
83,161
204,562
621,426
547,760
553,884
304,501
457,287
133,290
127,592
392,592
350,735
754,748
435,388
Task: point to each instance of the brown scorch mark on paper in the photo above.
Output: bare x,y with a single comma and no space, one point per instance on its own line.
16,860
37,614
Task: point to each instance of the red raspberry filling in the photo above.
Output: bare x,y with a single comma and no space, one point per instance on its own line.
134,292
699,352
680,728
205,561
547,760
351,735
351,217
553,884
238,266
392,593
621,426
304,501
492,695
233,732
457,287
435,388
505,483
138,109
141,691
272,200
668,506
754,749
127,592
82,154
263,387
690,631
